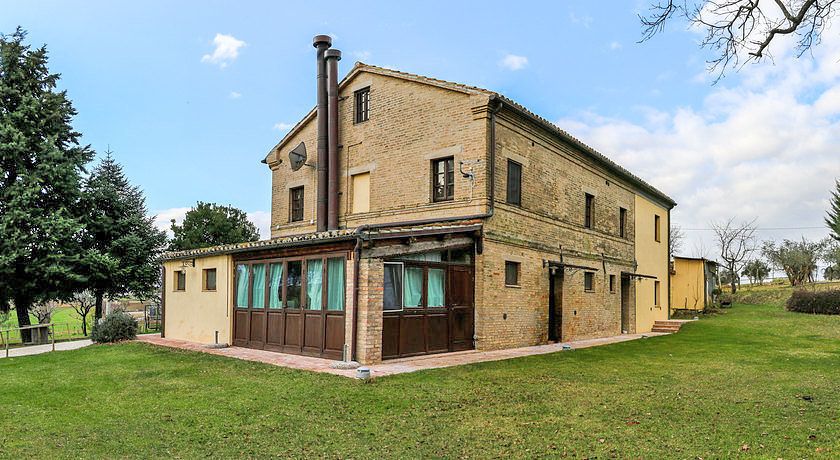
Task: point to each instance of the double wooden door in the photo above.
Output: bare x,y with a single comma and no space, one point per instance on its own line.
427,330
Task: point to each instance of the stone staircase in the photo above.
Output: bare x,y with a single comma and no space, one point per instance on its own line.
668,326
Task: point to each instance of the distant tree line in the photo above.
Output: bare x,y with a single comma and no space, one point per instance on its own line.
742,255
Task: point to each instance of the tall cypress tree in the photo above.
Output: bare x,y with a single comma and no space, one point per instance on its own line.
122,244
832,218
41,163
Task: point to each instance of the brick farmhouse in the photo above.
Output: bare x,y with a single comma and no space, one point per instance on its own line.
411,215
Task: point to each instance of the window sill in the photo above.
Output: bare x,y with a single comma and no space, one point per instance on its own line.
208,290
515,286
589,291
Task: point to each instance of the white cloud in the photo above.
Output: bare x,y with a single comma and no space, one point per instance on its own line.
280,126
584,20
513,62
763,148
363,56
234,95
615,46
163,218
262,219
226,50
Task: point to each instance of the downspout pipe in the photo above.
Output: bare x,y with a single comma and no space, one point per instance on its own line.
321,43
357,263
332,56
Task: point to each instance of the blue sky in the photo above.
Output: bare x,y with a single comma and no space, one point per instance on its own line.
190,128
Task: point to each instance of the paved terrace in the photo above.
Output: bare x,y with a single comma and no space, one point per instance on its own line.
390,367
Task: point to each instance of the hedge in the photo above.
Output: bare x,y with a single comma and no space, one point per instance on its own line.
819,302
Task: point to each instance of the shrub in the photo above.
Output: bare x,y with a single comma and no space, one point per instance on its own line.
114,327
819,302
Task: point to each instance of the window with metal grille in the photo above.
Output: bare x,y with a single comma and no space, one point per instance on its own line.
622,222
362,98
514,183
296,204
588,281
589,212
443,179
511,273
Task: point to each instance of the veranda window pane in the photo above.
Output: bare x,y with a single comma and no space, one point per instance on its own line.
435,288
392,286
275,286
242,281
259,286
314,284
413,293
335,284
293,281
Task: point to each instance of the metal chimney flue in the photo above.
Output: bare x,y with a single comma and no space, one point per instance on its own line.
322,43
332,56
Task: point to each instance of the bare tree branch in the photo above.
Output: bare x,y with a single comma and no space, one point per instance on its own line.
736,243
741,31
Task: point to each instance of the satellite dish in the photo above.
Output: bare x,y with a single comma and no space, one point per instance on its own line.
297,157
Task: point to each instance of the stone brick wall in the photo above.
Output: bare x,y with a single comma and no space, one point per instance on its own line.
546,227
410,125
369,339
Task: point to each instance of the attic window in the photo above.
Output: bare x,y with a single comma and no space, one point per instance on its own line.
362,98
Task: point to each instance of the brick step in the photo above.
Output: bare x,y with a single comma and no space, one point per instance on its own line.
666,326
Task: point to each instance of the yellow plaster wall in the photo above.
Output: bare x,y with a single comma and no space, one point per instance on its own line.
652,259
195,314
688,284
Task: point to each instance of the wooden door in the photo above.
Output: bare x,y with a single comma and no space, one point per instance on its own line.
461,304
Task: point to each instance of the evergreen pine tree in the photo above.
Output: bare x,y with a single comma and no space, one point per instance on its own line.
41,163
122,244
832,218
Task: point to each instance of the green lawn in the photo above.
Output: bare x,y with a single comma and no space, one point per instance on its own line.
755,381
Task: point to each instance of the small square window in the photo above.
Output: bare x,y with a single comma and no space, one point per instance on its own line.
612,283
511,273
588,281
296,204
362,99
209,279
180,280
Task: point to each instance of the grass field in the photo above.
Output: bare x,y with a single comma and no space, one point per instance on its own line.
776,293
754,381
